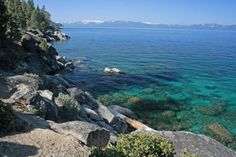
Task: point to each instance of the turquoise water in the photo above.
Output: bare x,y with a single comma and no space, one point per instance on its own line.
175,79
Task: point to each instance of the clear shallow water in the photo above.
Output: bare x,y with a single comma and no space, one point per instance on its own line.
175,79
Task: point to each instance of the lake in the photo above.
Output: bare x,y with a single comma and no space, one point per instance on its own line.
175,79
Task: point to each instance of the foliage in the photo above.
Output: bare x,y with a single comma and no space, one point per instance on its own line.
188,153
107,152
68,109
7,119
3,22
137,145
67,100
44,46
18,15
34,111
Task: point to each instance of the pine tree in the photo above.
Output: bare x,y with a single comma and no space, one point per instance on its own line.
13,24
22,15
29,11
35,18
3,22
44,22
21,22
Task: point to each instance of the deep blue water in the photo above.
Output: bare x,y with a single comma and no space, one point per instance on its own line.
175,79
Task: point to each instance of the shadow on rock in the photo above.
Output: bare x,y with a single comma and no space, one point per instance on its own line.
14,122
14,149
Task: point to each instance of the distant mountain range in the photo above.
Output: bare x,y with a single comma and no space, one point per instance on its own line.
131,24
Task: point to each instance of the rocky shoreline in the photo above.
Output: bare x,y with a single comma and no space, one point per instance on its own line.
45,114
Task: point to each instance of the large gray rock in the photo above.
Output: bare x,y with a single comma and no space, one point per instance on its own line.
61,59
65,62
29,43
91,113
51,49
117,123
56,84
198,144
33,121
9,122
78,95
70,110
30,80
69,65
85,98
66,83
22,91
90,134
43,102
42,143
22,86
102,110
36,32
122,110
61,36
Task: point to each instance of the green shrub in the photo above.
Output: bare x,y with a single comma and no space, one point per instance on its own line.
188,153
7,118
137,145
44,46
67,101
68,109
107,152
34,111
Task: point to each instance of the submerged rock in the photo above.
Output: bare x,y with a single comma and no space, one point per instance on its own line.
219,103
211,111
149,90
168,114
219,132
134,100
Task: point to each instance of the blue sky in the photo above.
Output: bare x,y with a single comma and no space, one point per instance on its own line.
155,11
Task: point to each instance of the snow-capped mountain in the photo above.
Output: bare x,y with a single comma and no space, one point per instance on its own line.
132,24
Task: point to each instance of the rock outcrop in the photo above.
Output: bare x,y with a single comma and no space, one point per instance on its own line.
42,142
198,144
48,115
58,35
8,121
90,134
122,110
43,103
79,121
43,53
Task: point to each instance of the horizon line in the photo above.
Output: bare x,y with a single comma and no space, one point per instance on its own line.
141,22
